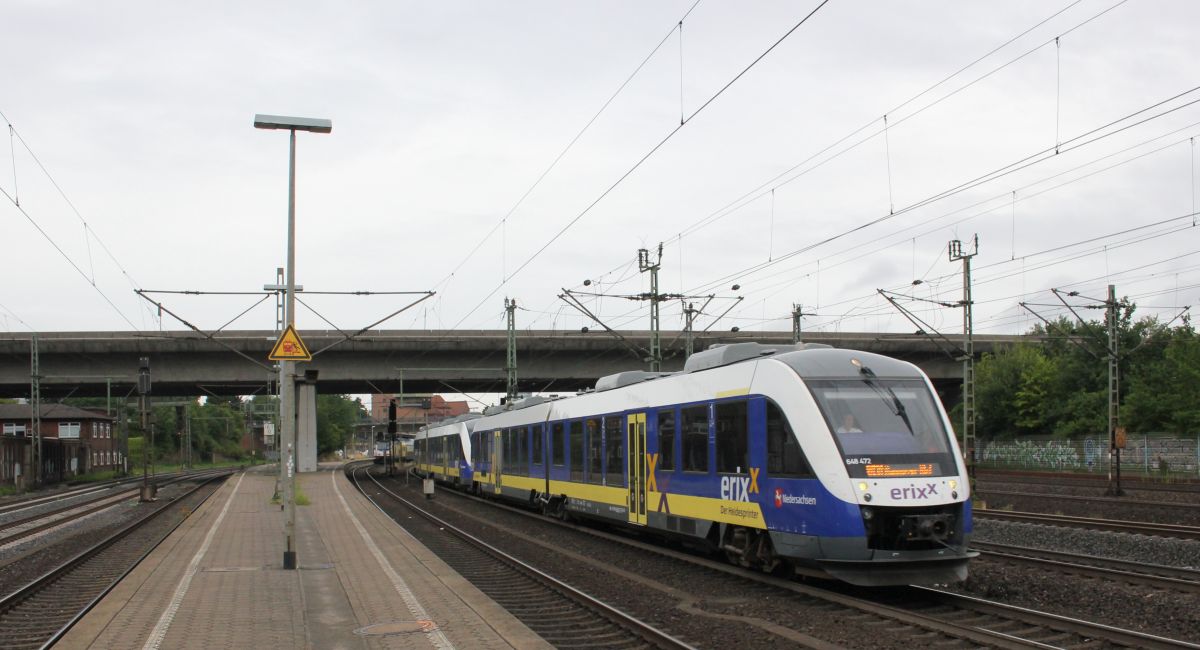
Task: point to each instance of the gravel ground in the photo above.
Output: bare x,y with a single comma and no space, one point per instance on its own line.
1165,613
1167,551
22,562
54,505
1185,494
1134,506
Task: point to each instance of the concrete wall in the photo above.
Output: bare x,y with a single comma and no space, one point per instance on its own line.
306,427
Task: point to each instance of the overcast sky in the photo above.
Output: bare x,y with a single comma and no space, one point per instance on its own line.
445,114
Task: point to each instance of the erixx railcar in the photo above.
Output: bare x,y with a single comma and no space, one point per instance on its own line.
823,461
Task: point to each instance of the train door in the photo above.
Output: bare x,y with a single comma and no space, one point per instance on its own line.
497,470
635,450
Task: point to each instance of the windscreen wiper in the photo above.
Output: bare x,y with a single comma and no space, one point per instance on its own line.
896,406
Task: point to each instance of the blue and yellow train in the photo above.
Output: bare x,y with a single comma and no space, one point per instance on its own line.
803,458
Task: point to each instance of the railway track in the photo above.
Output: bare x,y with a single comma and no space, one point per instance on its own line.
39,613
17,529
560,614
904,617
1043,478
1090,499
1112,525
1027,627
1151,575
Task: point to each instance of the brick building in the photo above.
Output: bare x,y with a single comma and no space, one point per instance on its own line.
415,410
74,441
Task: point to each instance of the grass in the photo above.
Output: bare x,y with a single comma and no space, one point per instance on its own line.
96,477
301,498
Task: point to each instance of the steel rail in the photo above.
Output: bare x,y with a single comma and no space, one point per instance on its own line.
82,490
16,598
1151,575
84,509
925,622
986,494
208,478
969,630
1111,525
1087,629
650,634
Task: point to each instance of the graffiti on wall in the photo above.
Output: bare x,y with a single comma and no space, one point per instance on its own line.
1050,454
1141,453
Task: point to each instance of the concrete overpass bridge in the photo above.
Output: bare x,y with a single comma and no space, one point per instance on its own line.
90,364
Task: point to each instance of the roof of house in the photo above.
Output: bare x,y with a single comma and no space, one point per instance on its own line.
49,412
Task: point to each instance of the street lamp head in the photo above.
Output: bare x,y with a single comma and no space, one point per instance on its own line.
314,124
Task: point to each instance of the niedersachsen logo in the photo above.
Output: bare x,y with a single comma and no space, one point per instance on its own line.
791,499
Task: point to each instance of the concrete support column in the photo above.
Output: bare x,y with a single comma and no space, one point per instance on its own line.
306,423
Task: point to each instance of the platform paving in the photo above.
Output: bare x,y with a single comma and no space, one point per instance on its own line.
363,582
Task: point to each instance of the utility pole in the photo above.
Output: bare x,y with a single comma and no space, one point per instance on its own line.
391,434
968,389
35,401
143,388
1115,436
510,308
644,265
689,313
797,313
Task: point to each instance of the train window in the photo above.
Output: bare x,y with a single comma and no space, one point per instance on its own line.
577,451
733,454
523,450
695,438
614,459
784,456
558,444
666,440
595,445
538,433
505,449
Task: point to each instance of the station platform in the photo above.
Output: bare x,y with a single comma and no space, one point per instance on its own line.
362,582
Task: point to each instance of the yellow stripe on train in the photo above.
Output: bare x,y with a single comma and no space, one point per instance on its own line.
740,513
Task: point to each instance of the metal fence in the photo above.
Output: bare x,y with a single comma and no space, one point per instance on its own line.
1150,455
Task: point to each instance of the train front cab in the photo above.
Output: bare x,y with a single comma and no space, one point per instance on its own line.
901,505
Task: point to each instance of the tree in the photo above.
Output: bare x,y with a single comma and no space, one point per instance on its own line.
336,417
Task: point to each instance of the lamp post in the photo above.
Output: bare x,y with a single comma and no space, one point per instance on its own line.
287,371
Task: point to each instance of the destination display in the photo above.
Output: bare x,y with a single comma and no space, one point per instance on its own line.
880,470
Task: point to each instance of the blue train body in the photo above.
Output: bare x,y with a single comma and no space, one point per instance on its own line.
828,462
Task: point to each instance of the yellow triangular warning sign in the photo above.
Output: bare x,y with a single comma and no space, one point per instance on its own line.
289,347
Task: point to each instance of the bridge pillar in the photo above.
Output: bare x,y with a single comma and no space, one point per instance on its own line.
306,423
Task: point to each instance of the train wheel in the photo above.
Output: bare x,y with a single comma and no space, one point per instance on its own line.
765,558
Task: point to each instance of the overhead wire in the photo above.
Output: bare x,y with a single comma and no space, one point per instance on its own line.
774,183
89,232
567,148
1000,172
640,161
943,81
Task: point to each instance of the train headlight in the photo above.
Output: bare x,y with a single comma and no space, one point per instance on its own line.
867,514
862,487
867,497
953,484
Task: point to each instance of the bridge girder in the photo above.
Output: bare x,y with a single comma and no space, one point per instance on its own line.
184,363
